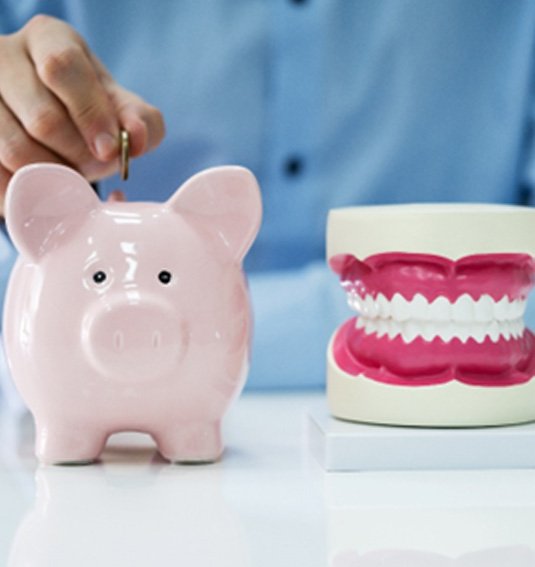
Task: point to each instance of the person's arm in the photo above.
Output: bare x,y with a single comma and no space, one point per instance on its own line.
59,104
295,313
8,256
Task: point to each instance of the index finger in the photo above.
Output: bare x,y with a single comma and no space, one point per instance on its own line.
64,66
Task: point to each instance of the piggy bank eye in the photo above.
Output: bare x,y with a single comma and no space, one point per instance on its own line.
99,277
164,276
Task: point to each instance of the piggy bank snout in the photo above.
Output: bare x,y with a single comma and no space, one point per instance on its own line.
133,341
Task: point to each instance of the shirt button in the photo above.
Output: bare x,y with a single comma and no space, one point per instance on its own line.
293,166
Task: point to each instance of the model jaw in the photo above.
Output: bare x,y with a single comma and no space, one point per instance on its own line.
426,319
454,351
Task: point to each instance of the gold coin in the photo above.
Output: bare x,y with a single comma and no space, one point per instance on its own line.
124,143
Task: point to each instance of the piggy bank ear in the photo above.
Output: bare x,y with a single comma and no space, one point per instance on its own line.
45,203
224,203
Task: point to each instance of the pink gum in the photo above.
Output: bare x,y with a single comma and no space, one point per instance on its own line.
497,275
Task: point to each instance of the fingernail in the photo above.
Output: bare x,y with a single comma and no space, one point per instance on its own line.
116,196
105,146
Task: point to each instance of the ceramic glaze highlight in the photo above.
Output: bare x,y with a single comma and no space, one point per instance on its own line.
129,316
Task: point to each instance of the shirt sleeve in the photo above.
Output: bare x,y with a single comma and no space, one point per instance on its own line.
295,313
8,256
14,13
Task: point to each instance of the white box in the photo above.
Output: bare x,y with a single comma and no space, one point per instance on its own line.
346,446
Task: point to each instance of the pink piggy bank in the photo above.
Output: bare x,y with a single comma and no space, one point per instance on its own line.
129,316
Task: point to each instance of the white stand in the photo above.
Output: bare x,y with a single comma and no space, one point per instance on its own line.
346,446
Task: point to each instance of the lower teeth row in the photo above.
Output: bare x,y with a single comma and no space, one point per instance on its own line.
446,330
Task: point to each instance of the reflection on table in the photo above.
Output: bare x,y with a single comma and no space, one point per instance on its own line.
266,503
431,519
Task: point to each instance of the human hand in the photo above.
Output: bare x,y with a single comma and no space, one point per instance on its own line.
59,104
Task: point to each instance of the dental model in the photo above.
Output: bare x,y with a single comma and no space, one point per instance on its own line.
441,293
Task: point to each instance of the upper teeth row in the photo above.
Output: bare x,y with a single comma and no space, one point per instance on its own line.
464,310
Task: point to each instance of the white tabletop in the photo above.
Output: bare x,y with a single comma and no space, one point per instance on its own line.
267,503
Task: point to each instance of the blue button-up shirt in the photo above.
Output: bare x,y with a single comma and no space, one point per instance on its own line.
331,103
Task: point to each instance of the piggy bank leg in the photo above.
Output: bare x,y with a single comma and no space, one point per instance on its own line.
191,442
67,444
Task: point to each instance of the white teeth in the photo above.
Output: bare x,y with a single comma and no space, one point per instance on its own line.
384,306
371,326
429,330
504,310
501,310
410,331
382,327
439,310
419,308
483,309
517,328
493,330
353,301
463,309
401,310
448,332
479,332
462,332
518,309
370,307
465,318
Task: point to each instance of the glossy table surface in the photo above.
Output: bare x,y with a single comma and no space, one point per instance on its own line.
266,503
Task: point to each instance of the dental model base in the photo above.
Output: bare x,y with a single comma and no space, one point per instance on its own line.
129,316
342,446
441,292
